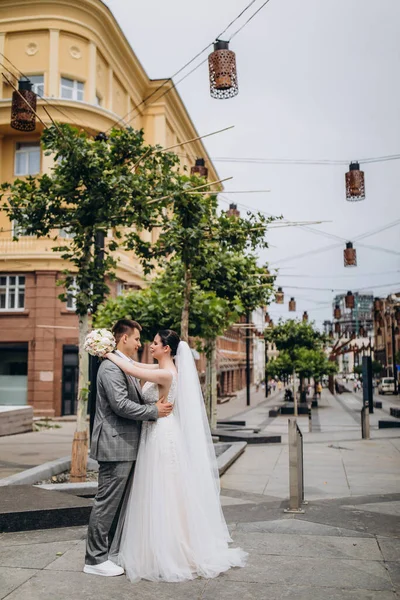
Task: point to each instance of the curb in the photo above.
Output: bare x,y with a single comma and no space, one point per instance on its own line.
44,471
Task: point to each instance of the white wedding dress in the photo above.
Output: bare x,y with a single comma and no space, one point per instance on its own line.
174,528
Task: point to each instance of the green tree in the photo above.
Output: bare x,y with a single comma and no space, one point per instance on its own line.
216,302
302,347
95,185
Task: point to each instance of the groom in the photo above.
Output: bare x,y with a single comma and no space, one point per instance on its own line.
115,442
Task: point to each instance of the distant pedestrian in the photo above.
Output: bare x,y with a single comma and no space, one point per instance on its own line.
279,385
318,389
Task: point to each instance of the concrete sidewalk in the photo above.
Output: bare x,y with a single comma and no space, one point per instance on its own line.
25,450
347,549
346,546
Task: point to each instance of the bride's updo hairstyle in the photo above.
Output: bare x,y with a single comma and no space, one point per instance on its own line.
170,338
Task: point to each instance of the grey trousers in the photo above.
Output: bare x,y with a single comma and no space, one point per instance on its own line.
115,480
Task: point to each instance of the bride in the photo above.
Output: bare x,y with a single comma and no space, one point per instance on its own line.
174,528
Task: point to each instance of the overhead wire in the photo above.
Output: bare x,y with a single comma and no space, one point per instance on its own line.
68,116
173,85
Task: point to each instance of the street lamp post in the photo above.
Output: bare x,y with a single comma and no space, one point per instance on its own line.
396,383
94,361
248,358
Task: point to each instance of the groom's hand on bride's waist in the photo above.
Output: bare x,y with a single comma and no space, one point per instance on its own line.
164,408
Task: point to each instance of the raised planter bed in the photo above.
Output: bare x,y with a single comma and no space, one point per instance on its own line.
395,412
15,419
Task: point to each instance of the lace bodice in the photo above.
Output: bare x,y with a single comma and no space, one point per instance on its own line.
151,393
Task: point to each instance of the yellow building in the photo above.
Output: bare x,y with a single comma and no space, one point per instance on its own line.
77,57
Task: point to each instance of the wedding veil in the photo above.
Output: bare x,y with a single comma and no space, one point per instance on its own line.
197,441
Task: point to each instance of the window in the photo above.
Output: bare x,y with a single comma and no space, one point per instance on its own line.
37,82
66,233
72,89
19,230
12,292
71,296
27,158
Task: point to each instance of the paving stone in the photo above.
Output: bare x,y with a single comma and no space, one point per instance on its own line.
394,572
228,501
390,548
72,560
309,545
11,578
32,556
44,585
385,508
292,525
42,536
322,572
228,590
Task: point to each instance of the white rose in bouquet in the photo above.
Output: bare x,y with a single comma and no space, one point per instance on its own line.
99,342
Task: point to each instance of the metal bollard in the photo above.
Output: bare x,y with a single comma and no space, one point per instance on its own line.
296,473
309,417
365,423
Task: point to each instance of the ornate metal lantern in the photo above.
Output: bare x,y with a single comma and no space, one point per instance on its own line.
349,300
355,187
222,70
199,168
23,107
378,304
305,316
267,317
292,305
350,255
279,296
337,313
337,327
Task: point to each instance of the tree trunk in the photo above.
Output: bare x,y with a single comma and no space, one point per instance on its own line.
80,444
211,382
186,305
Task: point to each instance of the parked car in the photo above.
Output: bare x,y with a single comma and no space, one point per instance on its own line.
386,385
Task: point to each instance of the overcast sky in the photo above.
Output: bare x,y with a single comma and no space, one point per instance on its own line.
318,79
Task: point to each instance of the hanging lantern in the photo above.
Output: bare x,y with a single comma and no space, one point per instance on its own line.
23,107
337,313
355,188
337,327
222,70
199,168
292,305
305,316
349,300
267,317
378,304
279,296
350,255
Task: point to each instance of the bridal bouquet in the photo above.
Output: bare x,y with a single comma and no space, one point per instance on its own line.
99,342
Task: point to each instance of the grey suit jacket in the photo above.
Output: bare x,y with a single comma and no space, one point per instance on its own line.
119,412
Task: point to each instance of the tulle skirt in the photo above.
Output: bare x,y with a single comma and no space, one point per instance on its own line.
171,533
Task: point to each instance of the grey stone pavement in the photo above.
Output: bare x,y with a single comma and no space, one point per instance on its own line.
346,545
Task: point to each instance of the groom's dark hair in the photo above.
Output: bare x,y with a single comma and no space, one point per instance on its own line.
124,326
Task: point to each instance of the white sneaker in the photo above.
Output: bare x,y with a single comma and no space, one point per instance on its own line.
105,569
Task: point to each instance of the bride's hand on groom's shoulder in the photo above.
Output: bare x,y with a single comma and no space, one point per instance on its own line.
164,408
